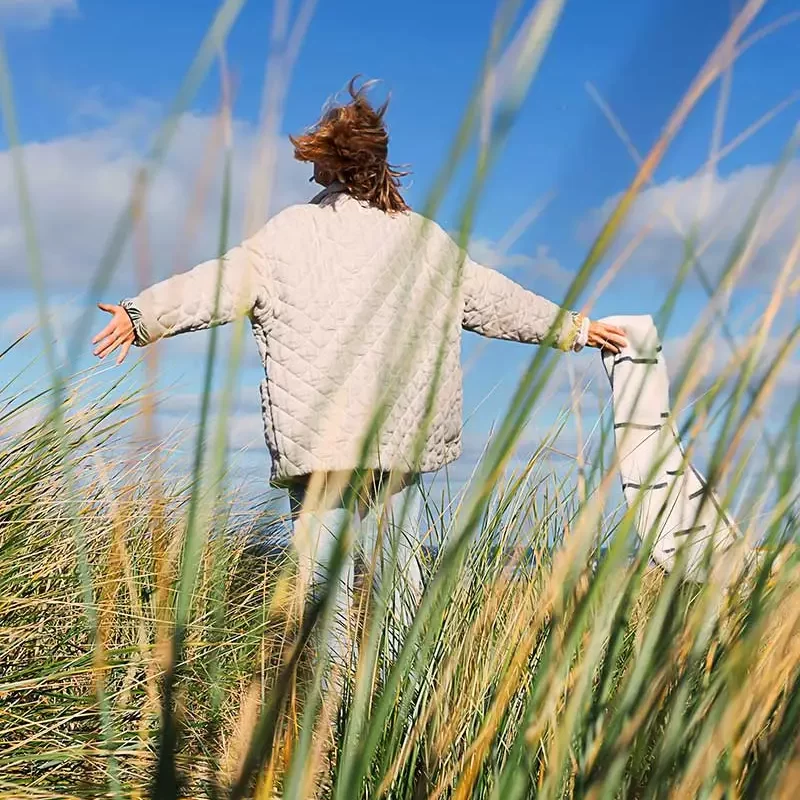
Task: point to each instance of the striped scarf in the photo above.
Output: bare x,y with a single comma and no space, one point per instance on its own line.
674,506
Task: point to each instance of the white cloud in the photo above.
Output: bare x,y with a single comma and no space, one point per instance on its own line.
79,185
62,317
717,360
35,13
718,207
540,265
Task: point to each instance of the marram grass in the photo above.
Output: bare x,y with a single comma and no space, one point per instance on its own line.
540,673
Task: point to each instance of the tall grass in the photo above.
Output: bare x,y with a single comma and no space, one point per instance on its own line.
153,646
542,668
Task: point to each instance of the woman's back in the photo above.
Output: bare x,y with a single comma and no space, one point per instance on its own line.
364,311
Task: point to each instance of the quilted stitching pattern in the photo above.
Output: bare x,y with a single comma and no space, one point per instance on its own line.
350,308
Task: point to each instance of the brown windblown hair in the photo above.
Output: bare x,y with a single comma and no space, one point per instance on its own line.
350,142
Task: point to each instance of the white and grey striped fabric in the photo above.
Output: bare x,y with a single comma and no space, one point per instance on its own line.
669,494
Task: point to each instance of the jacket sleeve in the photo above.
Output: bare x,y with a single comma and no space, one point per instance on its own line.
190,301
496,307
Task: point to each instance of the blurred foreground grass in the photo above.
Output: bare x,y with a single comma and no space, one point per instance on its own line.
549,668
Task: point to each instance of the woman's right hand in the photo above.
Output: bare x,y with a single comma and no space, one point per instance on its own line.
606,337
118,333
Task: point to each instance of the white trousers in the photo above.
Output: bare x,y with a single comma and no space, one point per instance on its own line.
376,531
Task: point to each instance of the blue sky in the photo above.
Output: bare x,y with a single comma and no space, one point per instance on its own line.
92,80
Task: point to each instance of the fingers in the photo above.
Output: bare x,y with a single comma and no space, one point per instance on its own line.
117,333
110,344
107,335
112,325
618,340
609,346
110,328
123,352
610,338
607,342
107,346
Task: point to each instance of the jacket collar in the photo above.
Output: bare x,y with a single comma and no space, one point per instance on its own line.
329,191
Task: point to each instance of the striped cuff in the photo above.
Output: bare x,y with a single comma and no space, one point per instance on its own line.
139,332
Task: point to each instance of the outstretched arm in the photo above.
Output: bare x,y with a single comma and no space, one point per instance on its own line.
190,301
497,307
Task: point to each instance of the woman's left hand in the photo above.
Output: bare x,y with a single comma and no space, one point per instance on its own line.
118,333
606,337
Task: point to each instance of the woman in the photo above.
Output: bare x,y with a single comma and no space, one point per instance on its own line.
356,304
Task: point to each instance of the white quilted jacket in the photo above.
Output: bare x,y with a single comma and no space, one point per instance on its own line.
354,311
